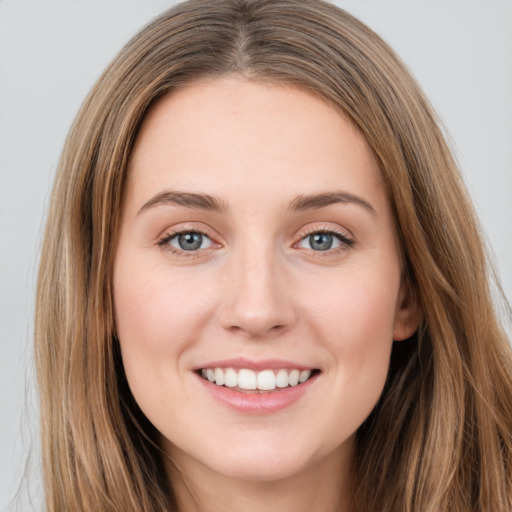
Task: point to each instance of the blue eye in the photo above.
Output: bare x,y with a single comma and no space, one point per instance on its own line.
189,241
323,241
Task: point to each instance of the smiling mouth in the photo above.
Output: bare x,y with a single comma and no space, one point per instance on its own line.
250,381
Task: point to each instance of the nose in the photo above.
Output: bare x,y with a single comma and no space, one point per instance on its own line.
258,299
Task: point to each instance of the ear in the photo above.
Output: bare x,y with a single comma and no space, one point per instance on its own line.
408,312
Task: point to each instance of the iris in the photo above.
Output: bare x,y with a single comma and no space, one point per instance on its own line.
320,241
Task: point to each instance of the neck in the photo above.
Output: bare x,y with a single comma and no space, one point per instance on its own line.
320,488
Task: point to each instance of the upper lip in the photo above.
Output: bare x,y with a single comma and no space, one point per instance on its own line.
264,364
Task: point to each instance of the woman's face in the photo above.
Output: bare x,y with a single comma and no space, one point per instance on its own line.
257,249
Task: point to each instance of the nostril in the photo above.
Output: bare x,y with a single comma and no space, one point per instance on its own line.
258,331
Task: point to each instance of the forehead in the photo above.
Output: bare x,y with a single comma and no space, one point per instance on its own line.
231,133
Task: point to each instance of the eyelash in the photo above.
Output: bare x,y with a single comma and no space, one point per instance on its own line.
345,241
163,242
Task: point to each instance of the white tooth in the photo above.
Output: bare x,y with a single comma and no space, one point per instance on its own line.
203,373
219,377
266,380
210,375
230,378
246,379
293,378
282,379
304,375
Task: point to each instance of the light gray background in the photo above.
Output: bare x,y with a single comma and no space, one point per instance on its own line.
51,52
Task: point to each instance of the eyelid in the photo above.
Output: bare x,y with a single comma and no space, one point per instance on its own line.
345,238
343,235
176,237
189,227
333,229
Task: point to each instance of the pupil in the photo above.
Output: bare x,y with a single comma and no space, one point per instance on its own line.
320,241
190,241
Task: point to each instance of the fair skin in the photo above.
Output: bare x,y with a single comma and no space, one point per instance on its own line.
290,263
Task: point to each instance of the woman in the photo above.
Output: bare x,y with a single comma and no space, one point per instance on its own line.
262,282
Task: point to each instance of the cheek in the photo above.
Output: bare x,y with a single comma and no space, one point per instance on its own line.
154,309
358,309
157,318
355,320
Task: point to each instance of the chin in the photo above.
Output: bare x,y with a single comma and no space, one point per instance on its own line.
261,469
270,459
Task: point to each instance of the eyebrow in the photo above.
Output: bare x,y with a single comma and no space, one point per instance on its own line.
316,201
215,204
187,199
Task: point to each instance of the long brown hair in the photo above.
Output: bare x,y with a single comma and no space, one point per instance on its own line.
441,436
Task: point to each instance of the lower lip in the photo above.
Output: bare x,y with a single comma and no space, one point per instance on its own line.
258,403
